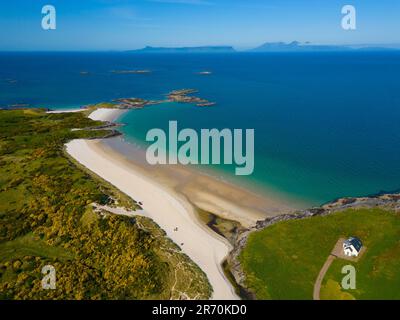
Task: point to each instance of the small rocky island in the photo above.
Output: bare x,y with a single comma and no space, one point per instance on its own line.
180,96
134,103
185,96
131,71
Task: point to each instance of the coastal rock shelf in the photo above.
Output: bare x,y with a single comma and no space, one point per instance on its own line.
135,103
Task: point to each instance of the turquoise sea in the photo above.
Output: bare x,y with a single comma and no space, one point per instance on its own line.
326,124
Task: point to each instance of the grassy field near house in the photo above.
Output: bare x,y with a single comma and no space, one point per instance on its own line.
283,261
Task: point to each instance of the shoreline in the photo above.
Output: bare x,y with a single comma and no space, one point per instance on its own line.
172,194
134,150
203,190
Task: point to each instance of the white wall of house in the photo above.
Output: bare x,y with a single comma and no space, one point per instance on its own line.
350,251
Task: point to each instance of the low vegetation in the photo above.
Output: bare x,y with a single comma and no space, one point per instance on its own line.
46,217
282,261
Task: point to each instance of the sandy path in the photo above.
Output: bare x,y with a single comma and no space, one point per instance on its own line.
318,282
66,110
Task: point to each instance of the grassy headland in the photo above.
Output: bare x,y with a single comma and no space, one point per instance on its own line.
283,260
46,217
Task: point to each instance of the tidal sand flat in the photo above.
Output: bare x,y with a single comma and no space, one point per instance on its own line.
207,190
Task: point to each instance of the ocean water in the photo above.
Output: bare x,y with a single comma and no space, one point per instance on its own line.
326,124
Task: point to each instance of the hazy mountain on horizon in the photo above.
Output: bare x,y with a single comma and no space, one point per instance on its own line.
297,46
294,46
202,49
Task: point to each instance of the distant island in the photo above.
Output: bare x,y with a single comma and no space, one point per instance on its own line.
205,49
294,46
297,46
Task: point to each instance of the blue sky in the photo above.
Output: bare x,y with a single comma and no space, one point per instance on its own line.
130,24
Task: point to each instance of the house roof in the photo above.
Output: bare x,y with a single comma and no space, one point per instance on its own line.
355,242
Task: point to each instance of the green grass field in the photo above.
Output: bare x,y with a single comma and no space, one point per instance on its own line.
283,260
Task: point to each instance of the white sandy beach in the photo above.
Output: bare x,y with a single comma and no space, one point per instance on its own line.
104,114
168,210
206,249
169,195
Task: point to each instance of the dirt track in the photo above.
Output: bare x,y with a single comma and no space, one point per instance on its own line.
324,269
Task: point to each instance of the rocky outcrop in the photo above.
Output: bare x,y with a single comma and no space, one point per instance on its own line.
185,96
389,201
110,127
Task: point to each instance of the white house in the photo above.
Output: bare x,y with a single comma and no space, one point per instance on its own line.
352,247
